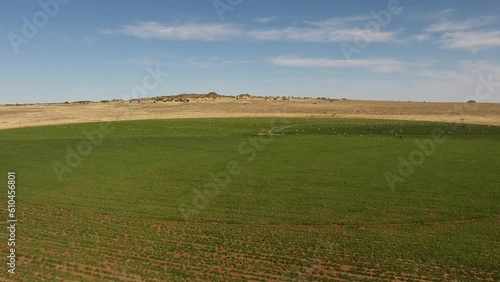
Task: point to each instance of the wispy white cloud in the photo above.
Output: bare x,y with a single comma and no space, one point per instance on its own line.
430,83
107,31
470,34
471,40
198,62
340,21
264,20
331,30
321,35
452,26
414,38
421,37
444,13
430,15
190,31
468,71
375,65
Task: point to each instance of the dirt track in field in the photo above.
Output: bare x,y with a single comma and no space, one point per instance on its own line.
53,114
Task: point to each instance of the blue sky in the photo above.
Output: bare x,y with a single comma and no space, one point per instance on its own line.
378,50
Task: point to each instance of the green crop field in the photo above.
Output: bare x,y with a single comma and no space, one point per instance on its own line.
255,199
